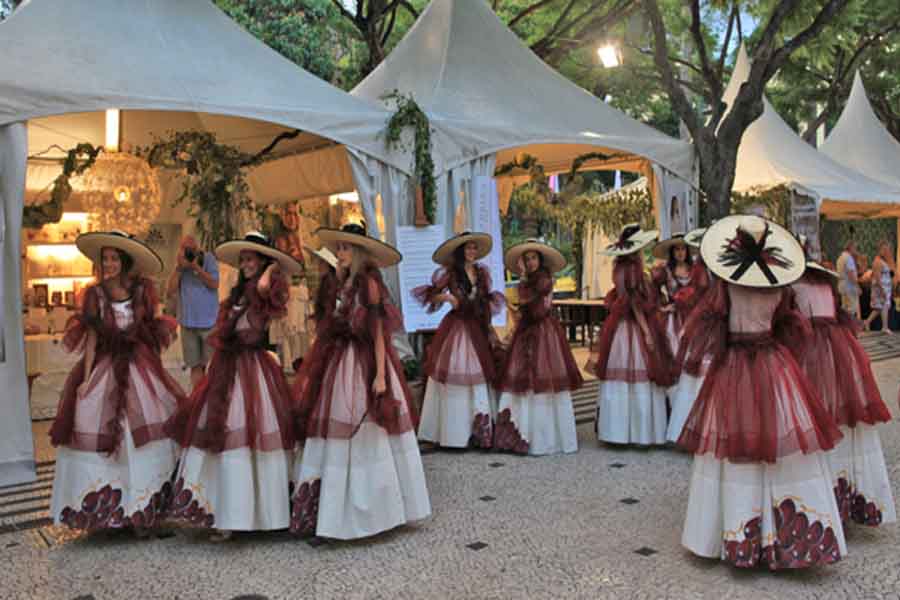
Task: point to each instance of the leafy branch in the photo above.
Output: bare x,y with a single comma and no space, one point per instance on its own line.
77,161
409,114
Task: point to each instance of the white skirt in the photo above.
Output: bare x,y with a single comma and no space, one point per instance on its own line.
449,413
631,413
860,477
94,491
782,515
361,486
242,489
682,396
546,422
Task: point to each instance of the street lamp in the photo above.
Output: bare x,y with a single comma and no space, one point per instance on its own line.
609,56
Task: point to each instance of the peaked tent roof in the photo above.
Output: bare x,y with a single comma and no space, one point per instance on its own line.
484,91
82,56
771,154
860,141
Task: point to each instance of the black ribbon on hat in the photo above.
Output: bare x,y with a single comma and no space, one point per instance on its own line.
354,228
258,238
743,251
625,242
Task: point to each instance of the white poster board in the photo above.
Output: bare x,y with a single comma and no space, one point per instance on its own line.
805,221
417,245
486,218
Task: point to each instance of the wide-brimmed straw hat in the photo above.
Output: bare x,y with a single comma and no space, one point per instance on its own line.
553,258
146,261
444,253
632,239
661,250
383,255
810,262
694,237
753,252
323,254
230,252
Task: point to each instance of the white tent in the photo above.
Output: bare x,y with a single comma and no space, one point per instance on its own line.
488,97
860,141
772,154
169,64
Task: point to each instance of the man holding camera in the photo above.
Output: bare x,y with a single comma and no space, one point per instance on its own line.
196,280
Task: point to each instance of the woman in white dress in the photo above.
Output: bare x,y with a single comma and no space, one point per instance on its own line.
459,406
631,357
236,430
113,459
361,472
761,489
535,415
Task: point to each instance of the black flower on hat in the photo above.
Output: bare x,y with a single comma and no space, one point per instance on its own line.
744,251
625,242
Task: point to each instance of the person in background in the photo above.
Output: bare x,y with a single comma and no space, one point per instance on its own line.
882,282
196,281
848,285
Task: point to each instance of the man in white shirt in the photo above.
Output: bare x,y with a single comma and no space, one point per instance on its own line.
848,285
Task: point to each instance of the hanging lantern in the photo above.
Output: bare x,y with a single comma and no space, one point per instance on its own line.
121,191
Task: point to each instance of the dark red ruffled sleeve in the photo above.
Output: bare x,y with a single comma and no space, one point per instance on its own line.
426,294
157,331
533,292
496,300
789,325
377,305
706,329
87,318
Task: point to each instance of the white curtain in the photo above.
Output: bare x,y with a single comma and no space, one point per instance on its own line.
455,192
16,445
596,276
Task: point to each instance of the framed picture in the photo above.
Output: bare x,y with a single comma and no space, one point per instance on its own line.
41,295
56,298
70,298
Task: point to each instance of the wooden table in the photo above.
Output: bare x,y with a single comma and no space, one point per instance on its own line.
575,313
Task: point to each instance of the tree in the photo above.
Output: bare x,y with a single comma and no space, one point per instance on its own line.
300,30
7,6
717,137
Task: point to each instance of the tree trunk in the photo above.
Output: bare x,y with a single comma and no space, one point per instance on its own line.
376,52
717,171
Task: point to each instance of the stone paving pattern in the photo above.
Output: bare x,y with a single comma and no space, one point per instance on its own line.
503,527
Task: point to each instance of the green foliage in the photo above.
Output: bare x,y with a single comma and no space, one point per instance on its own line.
77,161
412,369
408,114
214,182
776,201
300,30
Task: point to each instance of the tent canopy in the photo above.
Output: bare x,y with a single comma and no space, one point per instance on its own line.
772,154
860,141
485,92
155,56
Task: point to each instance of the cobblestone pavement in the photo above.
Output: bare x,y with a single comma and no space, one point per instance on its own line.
603,523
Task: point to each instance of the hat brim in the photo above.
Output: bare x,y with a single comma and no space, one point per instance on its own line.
719,235
661,250
381,254
146,261
639,241
553,258
695,237
816,266
230,253
323,254
444,253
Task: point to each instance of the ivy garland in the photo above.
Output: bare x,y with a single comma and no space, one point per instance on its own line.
776,201
78,160
409,114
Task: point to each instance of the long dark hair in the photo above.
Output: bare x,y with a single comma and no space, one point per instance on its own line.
541,266
688,260
459,270
125,274
238,290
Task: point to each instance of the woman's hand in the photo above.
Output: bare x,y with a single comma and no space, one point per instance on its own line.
82,389
520,266
668,308
448,297
379,386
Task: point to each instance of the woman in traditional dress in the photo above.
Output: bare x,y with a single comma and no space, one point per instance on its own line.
114,460
361,472
761,490
459,409
673,277
327,290
631,357
690,376
535,415
839,369
882,287
237,429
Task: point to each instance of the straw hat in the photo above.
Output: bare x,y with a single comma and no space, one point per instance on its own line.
694,237
383,255
230,252
632,239
553,258
661,250
752,252
146,261
323,254
444,254
812,264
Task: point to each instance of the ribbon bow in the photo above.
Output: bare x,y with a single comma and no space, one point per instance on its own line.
624,242
744,251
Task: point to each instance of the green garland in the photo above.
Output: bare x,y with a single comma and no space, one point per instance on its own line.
77,161
539,182
408,114
776,201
